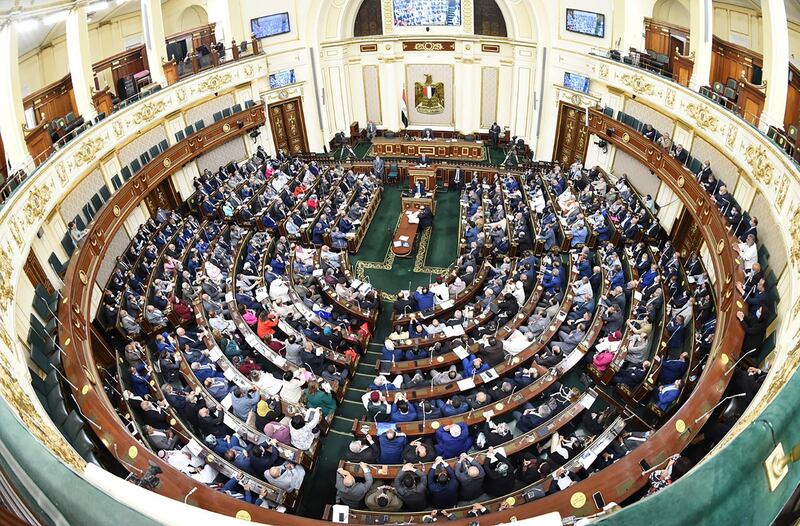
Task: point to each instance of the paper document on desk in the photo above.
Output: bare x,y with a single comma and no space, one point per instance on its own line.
403,238
195,448
279,361
461,352
446,304
637,296
229,374
228,297
227,402
228,420
356,283
214,354
413,220
587,400
489,375
465,384
398,243
587,459
318,272
261,294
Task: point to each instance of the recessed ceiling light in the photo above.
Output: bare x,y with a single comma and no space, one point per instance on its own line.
27,24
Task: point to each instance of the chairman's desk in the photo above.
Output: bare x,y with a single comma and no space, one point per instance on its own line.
439,148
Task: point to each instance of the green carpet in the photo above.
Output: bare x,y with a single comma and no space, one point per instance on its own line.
434,252
437,253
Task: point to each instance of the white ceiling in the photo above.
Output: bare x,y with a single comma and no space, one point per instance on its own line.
31,39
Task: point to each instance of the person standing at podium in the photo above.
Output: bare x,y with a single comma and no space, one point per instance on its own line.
424,161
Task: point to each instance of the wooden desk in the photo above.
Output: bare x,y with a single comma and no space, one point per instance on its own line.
397,147
405,228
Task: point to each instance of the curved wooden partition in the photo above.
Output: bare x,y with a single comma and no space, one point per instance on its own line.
616,482
75,314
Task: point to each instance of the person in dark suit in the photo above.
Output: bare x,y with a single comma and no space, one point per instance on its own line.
372,131
494,134
633,375
427,134
425,217
680,154
423,160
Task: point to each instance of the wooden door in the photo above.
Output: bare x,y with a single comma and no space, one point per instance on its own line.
686,235
163,196
36,274
572,138
288,126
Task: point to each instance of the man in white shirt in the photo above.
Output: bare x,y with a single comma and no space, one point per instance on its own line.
748,251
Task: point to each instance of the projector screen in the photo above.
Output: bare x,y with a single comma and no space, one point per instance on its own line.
270,25
586,23
427,12
576,82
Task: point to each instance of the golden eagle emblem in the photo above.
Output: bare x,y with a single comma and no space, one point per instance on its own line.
429,96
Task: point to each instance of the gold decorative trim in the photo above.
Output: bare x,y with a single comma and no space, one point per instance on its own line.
226,127
638,84
626,138
702,116
756,157
149,111
116,211
604,71
214,82
88,151
168,162
681,181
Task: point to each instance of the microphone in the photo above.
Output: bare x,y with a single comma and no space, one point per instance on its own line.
732,367
716,406
189,494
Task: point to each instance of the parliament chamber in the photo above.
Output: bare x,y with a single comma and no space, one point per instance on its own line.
399,262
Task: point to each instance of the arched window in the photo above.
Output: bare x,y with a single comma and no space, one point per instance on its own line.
489,19
368,19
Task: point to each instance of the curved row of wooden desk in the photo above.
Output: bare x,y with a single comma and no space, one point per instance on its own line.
615,482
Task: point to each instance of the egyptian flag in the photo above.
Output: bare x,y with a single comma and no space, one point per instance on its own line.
404,109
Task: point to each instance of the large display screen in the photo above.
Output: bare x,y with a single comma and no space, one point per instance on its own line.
427,12
281,78
586,23
270,25
576,82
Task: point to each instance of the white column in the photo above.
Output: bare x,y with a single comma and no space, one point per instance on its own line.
228,16
776,60
80,61
632,32
13,115
700,36
391,90
154,39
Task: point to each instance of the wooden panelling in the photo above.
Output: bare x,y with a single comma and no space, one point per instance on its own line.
53,101
729,60
288,126
572,138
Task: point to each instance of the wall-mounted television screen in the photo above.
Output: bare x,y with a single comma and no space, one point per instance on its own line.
576,82
270,25
281,78
427,12
586,23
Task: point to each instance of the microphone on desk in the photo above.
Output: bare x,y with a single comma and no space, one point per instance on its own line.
696,420
189,494
732,367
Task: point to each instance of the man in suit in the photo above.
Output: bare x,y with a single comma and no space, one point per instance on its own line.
494,134
379,167
633,375
372,131
424,161
680,154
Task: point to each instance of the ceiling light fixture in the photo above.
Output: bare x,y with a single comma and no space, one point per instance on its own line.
54,18
97,6
27,24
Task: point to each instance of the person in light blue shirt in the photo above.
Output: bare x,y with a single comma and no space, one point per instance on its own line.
579,234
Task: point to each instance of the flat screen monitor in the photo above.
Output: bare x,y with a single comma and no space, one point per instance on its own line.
281,78
270,25
586,23
576,82
427,12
